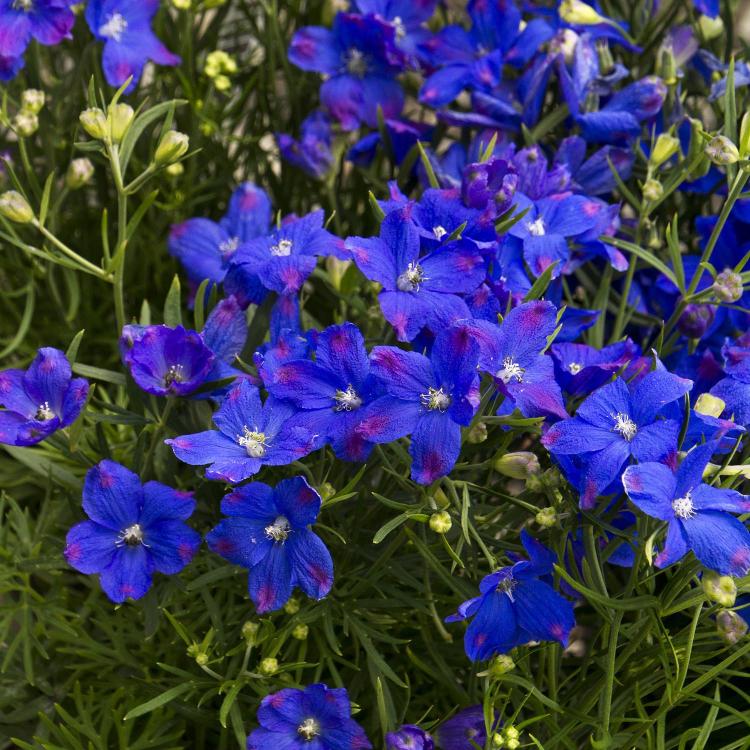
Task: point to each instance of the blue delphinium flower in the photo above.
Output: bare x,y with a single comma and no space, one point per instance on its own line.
465,730
409,737
267,532
618,422
40,400
417,291
734,389
135,530
697,514
515,607
312,152
129,42
581,369
204,247
47,21
250,435
361,60
332,391
428,398
316,717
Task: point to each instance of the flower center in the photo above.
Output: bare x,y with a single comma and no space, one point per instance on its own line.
506,586
279,530
114,28
439,232
435,399
175,374
347,400
44,413
411,278
131,536
625,426
228,247
356,63
575,367
253,442
25,5
683,507
283,248
510,370
308,729
398,25
536,227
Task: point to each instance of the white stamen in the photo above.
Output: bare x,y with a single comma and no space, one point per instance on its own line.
44,413
347,400
411,278
282,249
439,232
228,247
398,25
309,729
175,374
253,442
131,536
510,370
575,367
625,426
435,399
506,586
536,228
114,28
356,63
683,507
279,530
22,5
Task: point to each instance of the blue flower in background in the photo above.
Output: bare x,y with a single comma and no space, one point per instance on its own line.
40,400
205,247
251,434
466,730
734,389
515,607
581,369
427,398
129,42
697,514
312,152
135,530
409,737
314,718
267,532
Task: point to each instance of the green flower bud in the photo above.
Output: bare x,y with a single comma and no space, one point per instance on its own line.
710,28
512,744
201,659
652,190
730,626
728,286
292,606
269,666
80,171
250,630
709,405
501,665
667,64
511,733
477,433
172,146
665,148
518,465
32,100
300,632
546,518
25,123
181,4
721,151
119,116
745,136
579,13
440,522
15,207
719,589
94,122
326,491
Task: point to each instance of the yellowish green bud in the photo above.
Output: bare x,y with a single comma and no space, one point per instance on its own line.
440,522
546,518
269,665
710,28
719,589
336,269
32,100
477,433
652,190
720,150
172,146
498,740
501,665
326,491
120,116
25,123
250,630
94,122
201,659
292,606
579,13
300,632
730,626
175,170
727,286
15,207
745,136
181,4
518,465
80,171
711,406
511,733
512,744
222,82
665,148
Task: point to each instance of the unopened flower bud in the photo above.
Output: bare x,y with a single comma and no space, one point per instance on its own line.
696,320
511,733
222,82
744,143
665,148
94,122
300,632
80,171
171,147
440,522
710,28
501,665
25,123
720,150
175,170
498,740
336,269
512,744
730,626
292,606
326,491
15,207
250,630
546,518
477,433
719,589
727,286
711,406
32,100
201,659
652,190
518,465
269,665
120,116
579,13
181,4
667,64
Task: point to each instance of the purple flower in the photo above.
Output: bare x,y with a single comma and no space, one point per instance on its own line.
409,737
618,422
490,184
515,607
40,400
129,42
417,291
697,514
251,434
312,153
267,532
134,531
315,718
734,389
361,60
47,21
466,730
429,399
332,391
205,247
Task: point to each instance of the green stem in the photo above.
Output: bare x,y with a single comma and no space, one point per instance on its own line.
63,248
120,248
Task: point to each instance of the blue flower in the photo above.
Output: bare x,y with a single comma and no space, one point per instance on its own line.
515,607
135,530
267,532
618,422
409,737
429,399
466,730
47,21
315,718
361,60
251,434
417,291
129,42
581,369
312,153
205,247
40,400
9,66
697,514
734,389
332,391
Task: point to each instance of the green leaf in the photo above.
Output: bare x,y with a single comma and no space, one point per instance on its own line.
160,700
539,287
389,526
172,304
644,255
44,205
72,351
427,164
98,373
228,701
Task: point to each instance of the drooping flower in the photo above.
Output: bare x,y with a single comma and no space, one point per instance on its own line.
698,515
40,400
427,398
267,531
316,717
134,531
618,422
333,391
515,607
250,434
312,152
129,41
409,737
